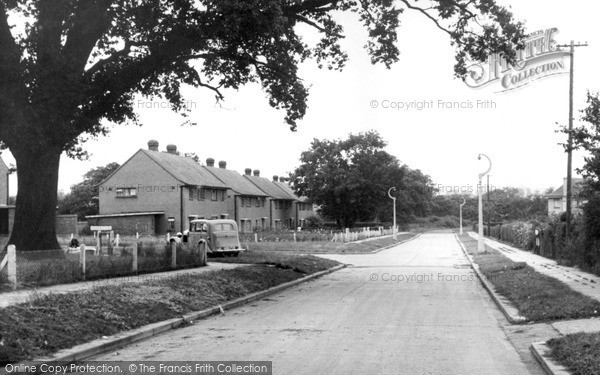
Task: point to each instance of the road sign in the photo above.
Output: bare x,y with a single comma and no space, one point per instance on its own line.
100,228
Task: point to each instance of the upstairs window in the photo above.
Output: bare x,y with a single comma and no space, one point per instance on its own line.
126,192
214,195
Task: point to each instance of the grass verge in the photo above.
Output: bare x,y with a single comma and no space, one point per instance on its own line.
538,297
50,323
579,352
326,247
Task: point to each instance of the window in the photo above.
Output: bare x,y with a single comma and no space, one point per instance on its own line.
257,202
556,203
225,226
126,192
214,195
171,225
202,194
264,200
198,193
192,193
223,192
249,202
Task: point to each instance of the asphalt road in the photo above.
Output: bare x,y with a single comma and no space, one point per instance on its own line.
414,309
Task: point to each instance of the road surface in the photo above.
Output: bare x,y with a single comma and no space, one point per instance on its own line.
413,309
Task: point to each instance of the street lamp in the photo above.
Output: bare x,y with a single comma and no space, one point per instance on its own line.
480,243
461,206
394,203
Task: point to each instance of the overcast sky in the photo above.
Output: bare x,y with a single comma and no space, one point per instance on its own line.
518,134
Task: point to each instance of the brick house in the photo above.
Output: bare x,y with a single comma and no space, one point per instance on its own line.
557,200
158,192
281,203
247,204
6,212
302,207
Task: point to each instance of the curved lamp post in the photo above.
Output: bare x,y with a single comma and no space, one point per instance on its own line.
461,206
480,243
394,203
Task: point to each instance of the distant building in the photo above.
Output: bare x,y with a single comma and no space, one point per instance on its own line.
303,207
158,192
557,200
247,204
281,204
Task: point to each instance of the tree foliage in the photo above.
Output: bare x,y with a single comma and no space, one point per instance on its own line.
82,200
68,68
349,180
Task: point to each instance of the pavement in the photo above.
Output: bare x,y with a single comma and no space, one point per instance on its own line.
416,308
581,281
24,295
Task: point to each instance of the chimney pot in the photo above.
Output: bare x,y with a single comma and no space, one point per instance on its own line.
275,178
248,171
223,164
257,173
153,145
172,149
210,162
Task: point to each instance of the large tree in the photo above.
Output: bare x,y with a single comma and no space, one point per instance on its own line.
349,180
67,65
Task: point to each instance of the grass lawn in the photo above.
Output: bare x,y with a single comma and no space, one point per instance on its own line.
537,297
580,352
54,322
325,247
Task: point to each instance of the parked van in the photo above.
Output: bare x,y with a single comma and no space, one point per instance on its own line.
215,236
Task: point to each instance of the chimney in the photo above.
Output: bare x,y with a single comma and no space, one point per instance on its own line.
275,178
210,162
257,173
172,149
248,171
153,145
223,164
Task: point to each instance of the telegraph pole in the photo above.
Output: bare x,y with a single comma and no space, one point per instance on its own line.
571,46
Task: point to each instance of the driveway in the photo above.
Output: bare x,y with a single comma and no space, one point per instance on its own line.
413,309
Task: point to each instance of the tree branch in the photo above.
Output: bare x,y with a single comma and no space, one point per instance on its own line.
432,18
89,24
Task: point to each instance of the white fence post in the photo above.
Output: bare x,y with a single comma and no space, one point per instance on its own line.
12,266
82,259
255,237
134,253
294,236
347,235
173,255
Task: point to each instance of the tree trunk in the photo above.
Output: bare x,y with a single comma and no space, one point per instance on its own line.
34,227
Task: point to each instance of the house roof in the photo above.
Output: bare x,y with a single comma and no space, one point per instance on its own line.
269,188
575,189
3,164
236,182
184,169
288,190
